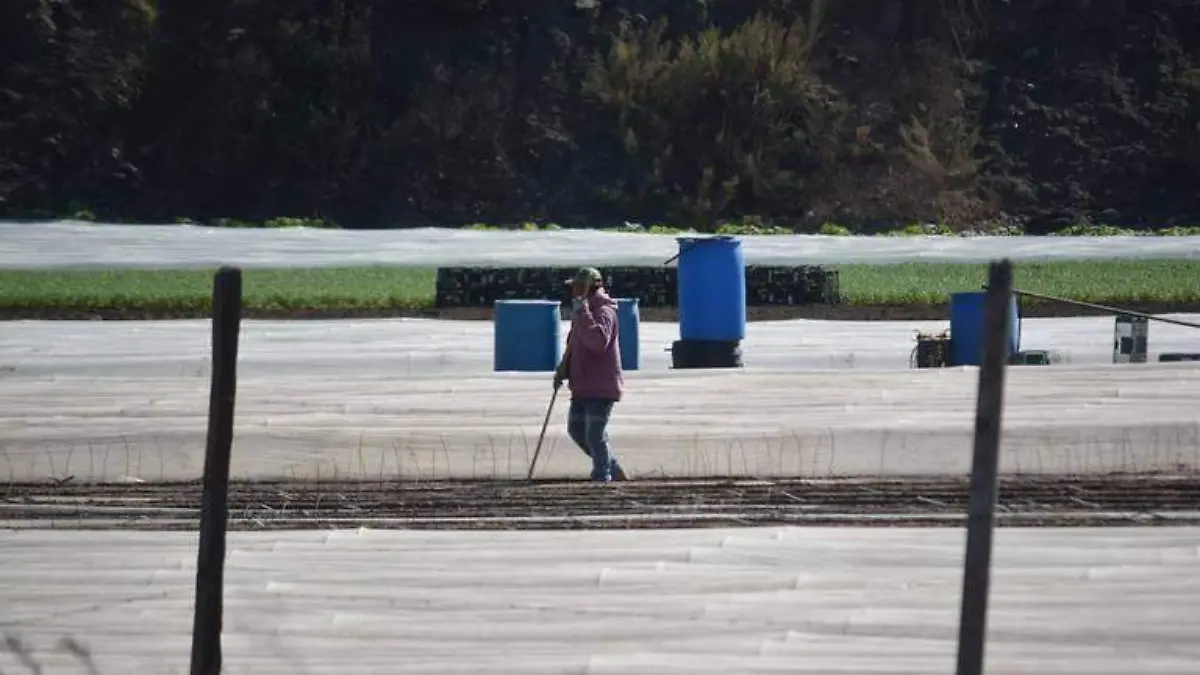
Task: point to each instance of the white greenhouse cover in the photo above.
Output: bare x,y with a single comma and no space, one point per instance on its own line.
82,244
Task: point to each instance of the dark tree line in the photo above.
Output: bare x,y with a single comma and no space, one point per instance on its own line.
386,113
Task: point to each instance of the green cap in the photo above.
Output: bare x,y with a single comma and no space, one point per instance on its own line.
588,275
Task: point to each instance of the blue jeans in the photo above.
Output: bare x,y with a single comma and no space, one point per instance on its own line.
587,425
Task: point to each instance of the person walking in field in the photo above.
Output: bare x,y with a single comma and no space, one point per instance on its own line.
592,365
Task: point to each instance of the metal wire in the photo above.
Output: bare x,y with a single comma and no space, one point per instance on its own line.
1103,308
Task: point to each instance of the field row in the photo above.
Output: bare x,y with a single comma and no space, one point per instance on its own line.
567,504
186,292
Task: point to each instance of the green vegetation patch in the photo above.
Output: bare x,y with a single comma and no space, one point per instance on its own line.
1098,281
754,227
187,292
190,291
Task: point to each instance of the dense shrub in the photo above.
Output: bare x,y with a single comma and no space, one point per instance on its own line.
721,123
72,74
868,113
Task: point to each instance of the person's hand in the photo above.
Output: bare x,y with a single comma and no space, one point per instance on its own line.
560,375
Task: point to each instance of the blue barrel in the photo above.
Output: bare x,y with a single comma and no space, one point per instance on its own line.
712,289
630,320
527,335
966,328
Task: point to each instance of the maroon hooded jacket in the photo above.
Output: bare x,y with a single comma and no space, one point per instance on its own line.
593,351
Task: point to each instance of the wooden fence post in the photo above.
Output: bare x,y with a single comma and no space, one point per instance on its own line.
214,507
989,407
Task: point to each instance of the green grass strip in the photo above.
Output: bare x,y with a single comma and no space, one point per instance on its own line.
1098,281
191,290
392,288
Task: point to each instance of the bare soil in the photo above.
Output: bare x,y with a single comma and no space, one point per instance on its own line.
1126,499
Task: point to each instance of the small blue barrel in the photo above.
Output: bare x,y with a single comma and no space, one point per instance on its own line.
712,289
966,328
527,335
630,320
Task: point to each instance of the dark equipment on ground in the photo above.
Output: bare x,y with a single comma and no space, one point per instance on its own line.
932,350
705,354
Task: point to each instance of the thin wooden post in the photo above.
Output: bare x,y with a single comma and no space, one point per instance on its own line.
989,408
214,507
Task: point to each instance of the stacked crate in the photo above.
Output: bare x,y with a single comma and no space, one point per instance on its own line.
805,285
652,286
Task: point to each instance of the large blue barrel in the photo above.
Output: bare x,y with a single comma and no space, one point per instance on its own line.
527,335
712,289
967,332
630,319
